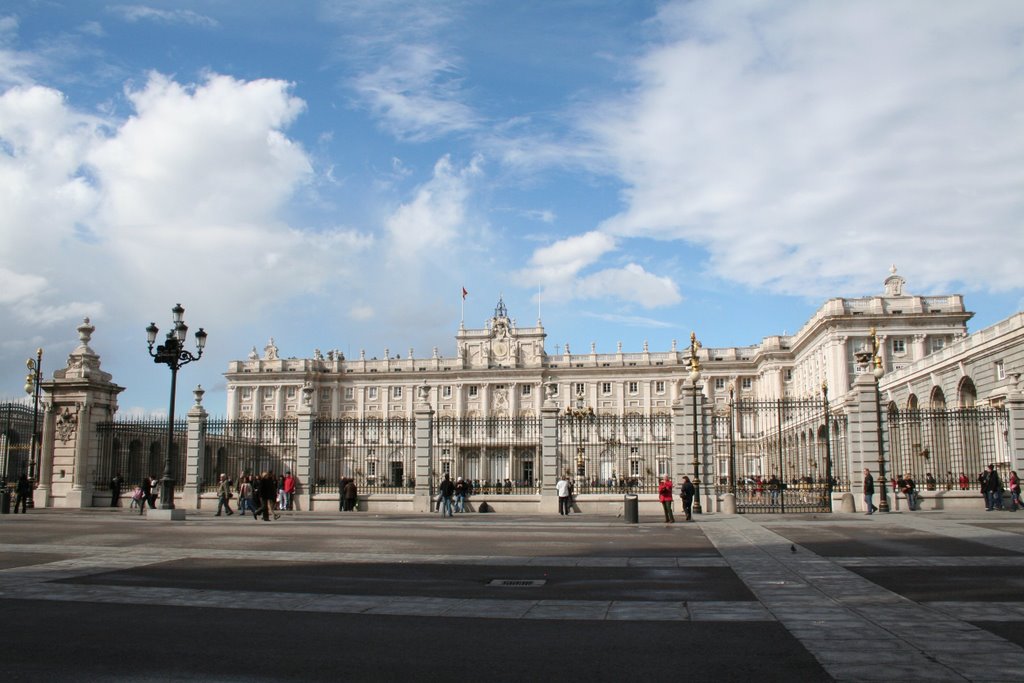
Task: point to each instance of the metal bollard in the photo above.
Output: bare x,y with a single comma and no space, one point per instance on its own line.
631,508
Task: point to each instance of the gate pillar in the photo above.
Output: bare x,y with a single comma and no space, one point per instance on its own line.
549,455
195,450
423,437
866,431
80,396
1015,426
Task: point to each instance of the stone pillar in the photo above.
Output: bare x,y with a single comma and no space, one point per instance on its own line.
423,415
1015,427
195,454
682,440
548,453
41,496
693,422
305,453
80,396
862,438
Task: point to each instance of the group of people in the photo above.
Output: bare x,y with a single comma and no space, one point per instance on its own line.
452,495
687,491
989,482
264,495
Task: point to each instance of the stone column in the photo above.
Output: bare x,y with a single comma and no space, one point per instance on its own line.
305,453
424,451
41,496
195,453
1015,427
862,438
549,454
80,495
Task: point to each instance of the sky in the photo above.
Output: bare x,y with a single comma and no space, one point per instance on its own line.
332,174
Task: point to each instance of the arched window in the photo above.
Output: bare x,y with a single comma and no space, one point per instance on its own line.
967,394
937,399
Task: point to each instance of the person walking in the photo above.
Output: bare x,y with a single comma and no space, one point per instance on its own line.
245,501
115,490
687,493
665,496
993,487
22,491
350,494
147,495
869,492
268,495
446,491
564,497
224,495
1014,490
460,495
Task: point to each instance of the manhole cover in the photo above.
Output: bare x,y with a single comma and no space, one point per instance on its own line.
516,583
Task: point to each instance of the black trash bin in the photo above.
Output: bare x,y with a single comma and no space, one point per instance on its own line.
5,501
631,508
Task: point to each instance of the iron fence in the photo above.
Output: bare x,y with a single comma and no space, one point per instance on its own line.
615,453
239,448
937,447
15,440
779,455
378,454
137,449
496,455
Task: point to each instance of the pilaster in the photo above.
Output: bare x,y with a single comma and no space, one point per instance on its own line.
195,450
423,415
549,454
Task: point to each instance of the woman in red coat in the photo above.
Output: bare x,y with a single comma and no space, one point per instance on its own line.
665,496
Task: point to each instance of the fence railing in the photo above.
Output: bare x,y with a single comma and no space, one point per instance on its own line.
15,440
495,455
379,455
137,449
943,444
248,447
615,453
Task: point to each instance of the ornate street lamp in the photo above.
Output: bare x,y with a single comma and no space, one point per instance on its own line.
32,386
694,377
580,411
828,442
174,355
878,371
732,438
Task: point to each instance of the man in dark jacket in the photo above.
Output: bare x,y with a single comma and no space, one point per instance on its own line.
993,489
22,490
869,491
687,492
446,490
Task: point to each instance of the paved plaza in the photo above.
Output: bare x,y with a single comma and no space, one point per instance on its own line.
104,594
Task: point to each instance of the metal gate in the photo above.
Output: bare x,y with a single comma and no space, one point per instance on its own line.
940,448
497,455
780,456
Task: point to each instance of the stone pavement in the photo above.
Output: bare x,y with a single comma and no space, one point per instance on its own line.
863,616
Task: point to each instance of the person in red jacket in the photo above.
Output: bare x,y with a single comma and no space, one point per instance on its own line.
665,496
288,486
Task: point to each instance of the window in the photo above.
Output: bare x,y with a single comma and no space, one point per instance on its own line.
787,376
580,388
719,383
1000,370
349,393
527,390
446,391
371,393
325,394
473,390
899,345
246,393
747,383
659,387
396,392
938,343
606,388
291,392
634,387
268,395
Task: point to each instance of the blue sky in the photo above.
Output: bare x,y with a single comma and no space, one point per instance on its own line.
331,174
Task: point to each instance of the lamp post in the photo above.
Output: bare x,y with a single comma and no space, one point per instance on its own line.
878,371
32,386
694,377
580,411
174,355
828,442
732,439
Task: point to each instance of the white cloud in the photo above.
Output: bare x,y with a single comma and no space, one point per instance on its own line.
178,201
134,13
631,283
556,265
807,144
437,213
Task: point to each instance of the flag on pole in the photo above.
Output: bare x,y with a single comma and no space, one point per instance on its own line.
464,293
